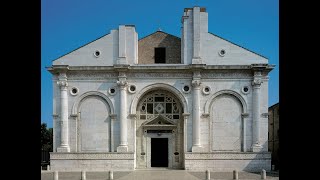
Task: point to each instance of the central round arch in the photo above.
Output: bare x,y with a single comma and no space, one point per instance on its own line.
160,128
158,86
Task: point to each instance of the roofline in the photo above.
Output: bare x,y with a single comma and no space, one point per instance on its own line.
157,66
274,105
156,32
81,46
238,45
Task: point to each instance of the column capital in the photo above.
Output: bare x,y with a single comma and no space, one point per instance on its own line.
196,83
62,83
257,81
122,83
62,75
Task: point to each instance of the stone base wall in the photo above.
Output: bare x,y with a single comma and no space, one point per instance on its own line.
228,161
92,161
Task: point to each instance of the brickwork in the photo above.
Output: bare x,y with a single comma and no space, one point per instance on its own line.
159,39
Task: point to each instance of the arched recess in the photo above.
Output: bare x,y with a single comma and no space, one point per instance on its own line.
177,93
77,102
235,94
93,122
227,110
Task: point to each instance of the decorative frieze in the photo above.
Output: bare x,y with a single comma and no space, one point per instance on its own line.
91,75
226,74
108,75
62,75
122,74
159,75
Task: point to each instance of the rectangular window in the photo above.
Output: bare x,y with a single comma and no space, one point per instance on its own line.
168,108
175,116
150,108
159,99
160,55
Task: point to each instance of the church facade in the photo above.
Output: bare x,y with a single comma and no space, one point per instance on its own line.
197,102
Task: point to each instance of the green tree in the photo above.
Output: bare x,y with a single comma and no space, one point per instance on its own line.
46,138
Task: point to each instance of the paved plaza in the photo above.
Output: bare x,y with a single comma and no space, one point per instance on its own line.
155,174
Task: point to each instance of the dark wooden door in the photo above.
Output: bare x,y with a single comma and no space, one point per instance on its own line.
159,152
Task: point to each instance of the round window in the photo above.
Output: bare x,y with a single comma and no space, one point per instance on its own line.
132,88
112,91
245,90
186,88
222,52
206,90
74,91
97,53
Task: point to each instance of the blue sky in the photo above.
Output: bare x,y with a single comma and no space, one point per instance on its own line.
67,25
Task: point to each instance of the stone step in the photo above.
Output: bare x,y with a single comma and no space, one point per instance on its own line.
156,174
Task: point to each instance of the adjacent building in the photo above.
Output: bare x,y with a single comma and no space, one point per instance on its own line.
273,134
193,102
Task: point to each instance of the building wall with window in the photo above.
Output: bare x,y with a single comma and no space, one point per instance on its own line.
273,140
159,39
205,102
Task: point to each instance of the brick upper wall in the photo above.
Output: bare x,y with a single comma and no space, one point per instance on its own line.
159,39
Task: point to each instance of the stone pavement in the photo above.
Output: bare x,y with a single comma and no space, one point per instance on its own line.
156,174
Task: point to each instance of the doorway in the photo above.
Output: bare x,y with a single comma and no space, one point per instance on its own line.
159,152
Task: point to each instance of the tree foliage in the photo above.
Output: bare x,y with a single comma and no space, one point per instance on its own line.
46,138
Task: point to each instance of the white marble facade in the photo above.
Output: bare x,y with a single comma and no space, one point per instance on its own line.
212,106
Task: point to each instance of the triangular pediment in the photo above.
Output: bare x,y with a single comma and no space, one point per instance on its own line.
233,54
160,120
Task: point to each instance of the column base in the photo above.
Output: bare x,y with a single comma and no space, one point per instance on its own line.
122,60
197,149
122,148
256,148
63,149
196,61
